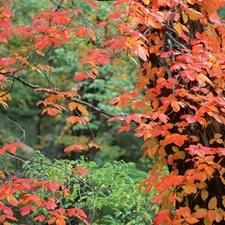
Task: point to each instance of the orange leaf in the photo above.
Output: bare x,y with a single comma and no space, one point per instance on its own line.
93,145
191,220
72,105
74,147
41,218
50,111
7,223
51,220
177,139
60,222
212,215
83,110
12,200
200,213
175,106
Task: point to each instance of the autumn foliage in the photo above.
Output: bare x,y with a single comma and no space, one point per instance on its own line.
177,102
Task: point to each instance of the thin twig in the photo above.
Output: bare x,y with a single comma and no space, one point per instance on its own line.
24,132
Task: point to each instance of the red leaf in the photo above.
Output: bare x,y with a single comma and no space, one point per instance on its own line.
26,210
115,15
7,210
81,76
102,24
2,218
114,101
161,116
163,216
124,128
74,147
10,147
49,205
76,211
80,171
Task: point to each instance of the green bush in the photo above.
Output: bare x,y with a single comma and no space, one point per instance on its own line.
108,194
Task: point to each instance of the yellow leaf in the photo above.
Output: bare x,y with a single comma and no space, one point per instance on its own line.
5,96
212,203
152,150
45,68
210,170
6,223
204,194
180,155
3,104
83,110
94,69
223,202
2,174
184,17
207,221
190,2
193,15
217,135
219,217
177,26
92,35
204,78
175,148
146,2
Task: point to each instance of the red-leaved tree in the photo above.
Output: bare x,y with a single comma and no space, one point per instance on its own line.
177,102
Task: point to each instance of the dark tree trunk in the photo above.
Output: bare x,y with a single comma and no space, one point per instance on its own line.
198,134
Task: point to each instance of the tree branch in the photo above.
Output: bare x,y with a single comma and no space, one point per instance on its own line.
72,99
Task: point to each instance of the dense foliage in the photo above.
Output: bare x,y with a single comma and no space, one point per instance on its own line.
76,59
